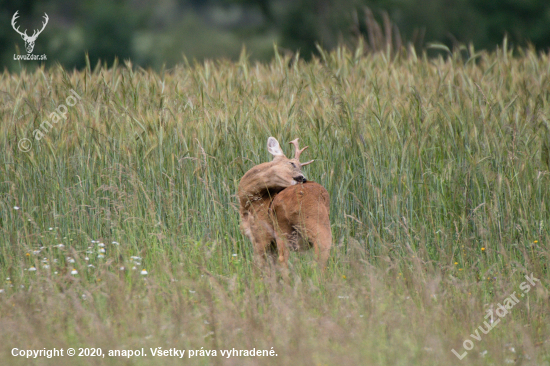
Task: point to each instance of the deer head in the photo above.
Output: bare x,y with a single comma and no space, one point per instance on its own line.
272,176
284,166
29,41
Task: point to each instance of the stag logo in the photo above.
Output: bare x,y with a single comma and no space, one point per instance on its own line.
29,40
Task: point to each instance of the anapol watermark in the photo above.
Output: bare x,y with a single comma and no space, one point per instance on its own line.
55,117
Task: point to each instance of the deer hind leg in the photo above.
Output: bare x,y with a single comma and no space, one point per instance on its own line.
283,232
320,236
261,238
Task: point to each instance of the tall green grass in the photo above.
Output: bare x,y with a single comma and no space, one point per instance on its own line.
438,175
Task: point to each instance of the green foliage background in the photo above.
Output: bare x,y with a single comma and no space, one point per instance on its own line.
157,33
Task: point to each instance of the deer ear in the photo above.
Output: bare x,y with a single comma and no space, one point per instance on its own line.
274,148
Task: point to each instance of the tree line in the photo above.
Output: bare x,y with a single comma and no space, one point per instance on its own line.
161,33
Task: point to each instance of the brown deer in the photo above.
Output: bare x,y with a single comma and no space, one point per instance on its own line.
299,216
256,190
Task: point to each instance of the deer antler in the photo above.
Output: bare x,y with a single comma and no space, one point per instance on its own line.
35,35
13,19
298,151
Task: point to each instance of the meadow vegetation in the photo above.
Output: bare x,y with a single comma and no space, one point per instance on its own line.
439,182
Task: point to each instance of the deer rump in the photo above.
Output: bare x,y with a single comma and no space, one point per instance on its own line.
293,219
300,218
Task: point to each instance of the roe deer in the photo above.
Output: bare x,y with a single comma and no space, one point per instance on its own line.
256,190
281,210
300,216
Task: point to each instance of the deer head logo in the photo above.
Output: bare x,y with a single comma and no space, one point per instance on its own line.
29,41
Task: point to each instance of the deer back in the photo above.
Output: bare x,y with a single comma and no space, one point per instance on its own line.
295,204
